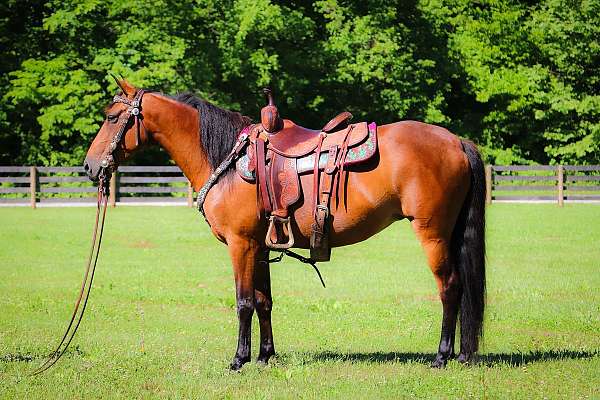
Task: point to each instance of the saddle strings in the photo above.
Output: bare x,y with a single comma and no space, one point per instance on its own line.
86,284
300,258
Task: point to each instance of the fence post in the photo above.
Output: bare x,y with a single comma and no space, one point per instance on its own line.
488,184
112,197
33,183
190,195
561,185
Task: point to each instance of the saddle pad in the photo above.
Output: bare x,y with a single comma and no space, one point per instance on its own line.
357,153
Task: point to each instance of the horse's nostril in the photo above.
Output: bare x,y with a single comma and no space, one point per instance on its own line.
87,167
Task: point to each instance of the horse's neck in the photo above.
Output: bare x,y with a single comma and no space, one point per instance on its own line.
175,128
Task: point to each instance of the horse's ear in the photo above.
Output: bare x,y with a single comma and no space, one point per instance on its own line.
117,81
127,88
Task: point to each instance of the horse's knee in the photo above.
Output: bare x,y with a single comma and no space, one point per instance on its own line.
262,303
245,307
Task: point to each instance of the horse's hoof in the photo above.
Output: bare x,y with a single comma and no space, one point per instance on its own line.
439,362
264,359
237,364
464,358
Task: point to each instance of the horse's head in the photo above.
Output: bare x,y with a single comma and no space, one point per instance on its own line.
122,133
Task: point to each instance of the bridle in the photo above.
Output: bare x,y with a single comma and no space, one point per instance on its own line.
107,166
133,112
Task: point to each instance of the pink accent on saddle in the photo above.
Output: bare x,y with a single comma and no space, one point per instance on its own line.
246,130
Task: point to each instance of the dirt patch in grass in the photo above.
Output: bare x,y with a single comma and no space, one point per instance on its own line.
142,244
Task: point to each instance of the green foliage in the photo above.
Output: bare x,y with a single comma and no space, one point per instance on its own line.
534,71
520,79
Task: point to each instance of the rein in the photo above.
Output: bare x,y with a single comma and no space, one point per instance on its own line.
107,165
86,285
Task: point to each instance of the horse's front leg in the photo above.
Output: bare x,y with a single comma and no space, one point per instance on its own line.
244,255
264,304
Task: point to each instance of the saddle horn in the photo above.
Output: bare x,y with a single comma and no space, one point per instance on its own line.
269,115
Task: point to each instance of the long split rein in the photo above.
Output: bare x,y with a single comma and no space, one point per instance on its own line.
107,164
88,277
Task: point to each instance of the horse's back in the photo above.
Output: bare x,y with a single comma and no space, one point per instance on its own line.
420,171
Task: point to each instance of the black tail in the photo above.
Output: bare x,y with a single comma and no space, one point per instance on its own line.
468,243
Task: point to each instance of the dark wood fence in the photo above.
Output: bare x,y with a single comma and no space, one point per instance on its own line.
152,184
135,184
543,183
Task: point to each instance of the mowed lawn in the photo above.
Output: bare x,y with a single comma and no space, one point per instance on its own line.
162,324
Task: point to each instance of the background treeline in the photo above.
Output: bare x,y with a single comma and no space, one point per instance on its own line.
520,78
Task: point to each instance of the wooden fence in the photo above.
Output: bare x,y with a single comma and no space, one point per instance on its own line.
542,183
151,184
131,184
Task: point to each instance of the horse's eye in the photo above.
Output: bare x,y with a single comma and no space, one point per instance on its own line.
112,118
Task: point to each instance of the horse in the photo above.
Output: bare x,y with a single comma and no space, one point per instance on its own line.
422,173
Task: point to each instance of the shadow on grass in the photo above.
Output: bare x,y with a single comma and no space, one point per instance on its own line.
489,359
29,357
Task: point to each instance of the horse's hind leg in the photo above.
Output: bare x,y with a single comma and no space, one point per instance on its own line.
245,256
437,249
263,303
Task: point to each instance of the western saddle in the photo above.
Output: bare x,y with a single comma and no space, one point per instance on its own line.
280,151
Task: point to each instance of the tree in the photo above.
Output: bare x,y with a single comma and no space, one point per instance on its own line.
519,78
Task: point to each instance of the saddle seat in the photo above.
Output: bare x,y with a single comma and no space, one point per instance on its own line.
295,141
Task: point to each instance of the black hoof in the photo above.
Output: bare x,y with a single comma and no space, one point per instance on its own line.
264,359
439,362
237,364
464,358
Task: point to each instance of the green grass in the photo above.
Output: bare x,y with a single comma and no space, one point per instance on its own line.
162,323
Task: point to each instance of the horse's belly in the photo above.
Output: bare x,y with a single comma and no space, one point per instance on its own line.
362,207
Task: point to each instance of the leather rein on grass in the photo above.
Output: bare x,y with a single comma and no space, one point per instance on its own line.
86,285
133,112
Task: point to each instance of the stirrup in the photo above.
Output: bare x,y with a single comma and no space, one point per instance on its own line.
285,222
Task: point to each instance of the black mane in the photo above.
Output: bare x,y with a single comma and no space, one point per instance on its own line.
219,128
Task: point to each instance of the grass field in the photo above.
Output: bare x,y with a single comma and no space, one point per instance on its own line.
162,323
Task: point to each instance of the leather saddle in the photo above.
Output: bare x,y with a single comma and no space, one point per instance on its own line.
281,151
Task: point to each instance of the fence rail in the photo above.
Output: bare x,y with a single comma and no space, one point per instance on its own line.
558,183
166,184
131,184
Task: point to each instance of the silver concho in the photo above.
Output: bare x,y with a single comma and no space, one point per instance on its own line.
135,111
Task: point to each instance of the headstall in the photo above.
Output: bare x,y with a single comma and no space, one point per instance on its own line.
133,111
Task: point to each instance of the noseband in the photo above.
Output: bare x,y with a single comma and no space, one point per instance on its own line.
133,112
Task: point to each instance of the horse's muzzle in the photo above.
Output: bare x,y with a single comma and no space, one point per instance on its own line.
92,168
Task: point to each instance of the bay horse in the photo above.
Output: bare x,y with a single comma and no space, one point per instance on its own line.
422,173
